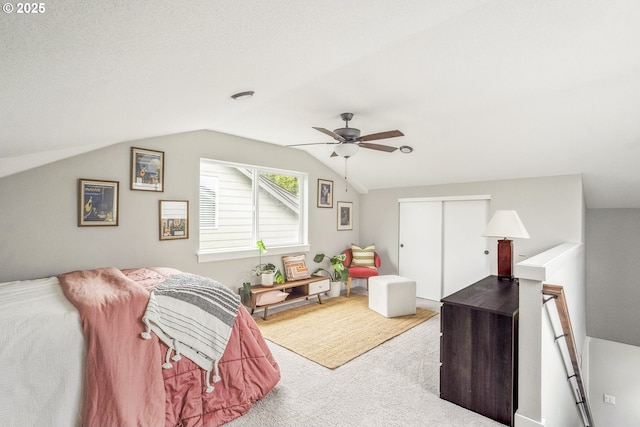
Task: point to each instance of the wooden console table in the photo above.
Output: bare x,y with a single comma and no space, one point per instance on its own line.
479,348
298,289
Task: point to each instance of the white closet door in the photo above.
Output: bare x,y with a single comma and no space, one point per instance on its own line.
420,252
465,260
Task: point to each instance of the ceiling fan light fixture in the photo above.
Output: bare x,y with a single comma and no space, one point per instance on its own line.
346,150
406,149
242,95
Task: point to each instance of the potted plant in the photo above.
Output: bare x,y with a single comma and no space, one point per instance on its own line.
340,272
266,273
245,292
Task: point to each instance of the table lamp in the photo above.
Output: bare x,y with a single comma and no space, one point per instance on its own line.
506,225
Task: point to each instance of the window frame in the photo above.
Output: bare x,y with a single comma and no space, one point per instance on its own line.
208,255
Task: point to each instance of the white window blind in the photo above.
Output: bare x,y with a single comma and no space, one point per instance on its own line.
208,202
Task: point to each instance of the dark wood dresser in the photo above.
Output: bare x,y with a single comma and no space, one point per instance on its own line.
479,348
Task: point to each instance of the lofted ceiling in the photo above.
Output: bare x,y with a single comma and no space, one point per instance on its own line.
482,90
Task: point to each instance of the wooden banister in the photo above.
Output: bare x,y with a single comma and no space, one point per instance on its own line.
556,292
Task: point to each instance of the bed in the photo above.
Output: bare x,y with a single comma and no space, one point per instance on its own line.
74,350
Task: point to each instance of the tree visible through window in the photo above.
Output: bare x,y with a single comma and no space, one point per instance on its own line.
240,204
289,183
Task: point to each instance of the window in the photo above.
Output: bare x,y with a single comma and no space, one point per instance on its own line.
240,204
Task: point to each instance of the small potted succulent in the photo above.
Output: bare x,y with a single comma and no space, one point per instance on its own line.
340,272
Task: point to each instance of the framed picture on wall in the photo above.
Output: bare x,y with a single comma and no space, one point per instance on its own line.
345,216
97,203
325,193
174,219
147,169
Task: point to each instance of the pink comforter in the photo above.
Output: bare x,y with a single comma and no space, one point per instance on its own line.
124,382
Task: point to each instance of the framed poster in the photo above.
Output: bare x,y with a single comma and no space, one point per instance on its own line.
325,193
174,219
97,203
147,169
345,216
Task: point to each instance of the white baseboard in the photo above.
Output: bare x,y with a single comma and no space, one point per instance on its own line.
520,420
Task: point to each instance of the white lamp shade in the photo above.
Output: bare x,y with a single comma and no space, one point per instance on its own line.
506,224
347,149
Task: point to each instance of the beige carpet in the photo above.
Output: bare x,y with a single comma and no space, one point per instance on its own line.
336,331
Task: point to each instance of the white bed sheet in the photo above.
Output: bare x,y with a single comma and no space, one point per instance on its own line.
42,355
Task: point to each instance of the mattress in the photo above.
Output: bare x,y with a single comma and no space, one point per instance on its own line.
41,348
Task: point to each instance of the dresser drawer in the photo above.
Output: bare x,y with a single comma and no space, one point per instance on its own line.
319,286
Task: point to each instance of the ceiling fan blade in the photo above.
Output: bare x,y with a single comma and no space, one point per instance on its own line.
313,143
381,135
330,133
378,147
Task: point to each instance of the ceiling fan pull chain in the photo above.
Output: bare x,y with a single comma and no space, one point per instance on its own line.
346,184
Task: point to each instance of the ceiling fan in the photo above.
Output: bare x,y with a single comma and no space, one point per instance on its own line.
349,140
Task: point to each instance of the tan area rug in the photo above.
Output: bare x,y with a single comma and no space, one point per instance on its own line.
336,331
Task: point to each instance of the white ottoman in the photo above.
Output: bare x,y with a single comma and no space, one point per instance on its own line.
392,296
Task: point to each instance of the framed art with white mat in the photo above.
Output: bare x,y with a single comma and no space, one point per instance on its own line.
345,216
174,219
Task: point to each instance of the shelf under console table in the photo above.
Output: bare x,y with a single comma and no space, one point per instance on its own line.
296,289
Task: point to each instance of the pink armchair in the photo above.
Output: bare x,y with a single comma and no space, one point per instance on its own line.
360,272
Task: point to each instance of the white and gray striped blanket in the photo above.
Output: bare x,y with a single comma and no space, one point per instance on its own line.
193,316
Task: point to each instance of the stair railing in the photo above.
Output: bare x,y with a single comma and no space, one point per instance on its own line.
556,293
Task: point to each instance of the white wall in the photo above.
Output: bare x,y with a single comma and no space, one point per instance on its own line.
613,298
545,396
41,236
613,274
39,210
613,370
551,209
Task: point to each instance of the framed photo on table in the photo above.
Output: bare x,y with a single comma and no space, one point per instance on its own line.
325,193
174,219
97,203
147,169
345,216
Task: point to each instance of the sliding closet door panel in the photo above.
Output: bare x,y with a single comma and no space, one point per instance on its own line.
420,251
465,261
